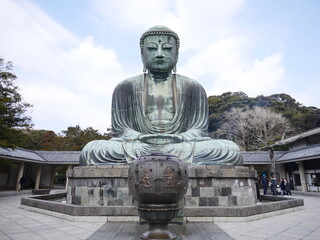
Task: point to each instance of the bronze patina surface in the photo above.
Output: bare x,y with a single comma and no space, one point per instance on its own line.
160,111
158,182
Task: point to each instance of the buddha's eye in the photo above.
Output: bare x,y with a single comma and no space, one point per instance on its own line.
167,47
152,48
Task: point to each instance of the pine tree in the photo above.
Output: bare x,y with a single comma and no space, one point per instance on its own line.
13,110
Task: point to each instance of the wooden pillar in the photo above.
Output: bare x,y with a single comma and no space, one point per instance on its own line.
38,177
67,180
20,174
302,177
52,176
282,171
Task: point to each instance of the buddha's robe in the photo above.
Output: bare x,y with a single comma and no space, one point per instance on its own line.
183,115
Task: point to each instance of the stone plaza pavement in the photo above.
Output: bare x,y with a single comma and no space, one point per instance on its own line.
20,224
303,224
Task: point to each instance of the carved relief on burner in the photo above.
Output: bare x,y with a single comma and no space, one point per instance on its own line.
145,182
169,178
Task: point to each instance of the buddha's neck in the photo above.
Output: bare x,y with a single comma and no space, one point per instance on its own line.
159,76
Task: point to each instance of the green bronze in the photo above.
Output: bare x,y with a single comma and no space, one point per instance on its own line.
160,111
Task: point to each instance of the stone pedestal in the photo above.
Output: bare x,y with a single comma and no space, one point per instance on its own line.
209,185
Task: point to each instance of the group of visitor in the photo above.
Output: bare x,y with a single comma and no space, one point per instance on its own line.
283,188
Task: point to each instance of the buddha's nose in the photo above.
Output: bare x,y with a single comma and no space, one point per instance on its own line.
160,53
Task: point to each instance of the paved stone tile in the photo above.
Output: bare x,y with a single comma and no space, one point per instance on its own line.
22,224
246,237
16,223
67,228
54,234
278,237
4,238
312,236
84,235
291,235
24,236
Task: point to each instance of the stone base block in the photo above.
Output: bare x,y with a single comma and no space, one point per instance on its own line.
209,185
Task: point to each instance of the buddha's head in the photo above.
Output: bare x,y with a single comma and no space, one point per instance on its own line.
159,49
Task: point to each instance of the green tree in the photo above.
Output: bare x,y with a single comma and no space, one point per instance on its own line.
37,139
75,138
300,117
13,110
220,104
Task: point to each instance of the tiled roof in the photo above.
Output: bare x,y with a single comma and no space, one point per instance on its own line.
298,136
72,157
20,153
260,157
301,154
60,157
50,157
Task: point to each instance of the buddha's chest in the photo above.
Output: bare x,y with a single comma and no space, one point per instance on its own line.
159,102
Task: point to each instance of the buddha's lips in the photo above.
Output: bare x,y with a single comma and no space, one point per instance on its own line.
159,61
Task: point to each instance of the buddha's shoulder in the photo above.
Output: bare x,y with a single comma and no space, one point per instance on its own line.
132,80
130,83
187,80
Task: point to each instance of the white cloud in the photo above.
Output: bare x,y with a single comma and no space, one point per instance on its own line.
133,15
212,50
70,80
196,22
224,66
63,76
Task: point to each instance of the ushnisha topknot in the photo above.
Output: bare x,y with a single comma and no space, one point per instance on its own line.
159,30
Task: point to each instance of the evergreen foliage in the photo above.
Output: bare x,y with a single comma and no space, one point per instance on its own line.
12,108
301,118
71,139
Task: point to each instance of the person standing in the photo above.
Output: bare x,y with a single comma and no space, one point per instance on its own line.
258,188
22,183
287,187
264,183
273,185
282,187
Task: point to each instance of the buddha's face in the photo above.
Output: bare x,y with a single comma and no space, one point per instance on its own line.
159,53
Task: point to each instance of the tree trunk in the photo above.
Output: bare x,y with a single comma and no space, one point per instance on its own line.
272,160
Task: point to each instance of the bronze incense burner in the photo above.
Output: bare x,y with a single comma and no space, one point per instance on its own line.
158,182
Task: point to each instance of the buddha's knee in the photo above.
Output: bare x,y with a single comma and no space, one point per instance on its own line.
222,152
90,150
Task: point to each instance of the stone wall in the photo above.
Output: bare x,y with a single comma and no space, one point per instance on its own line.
209,185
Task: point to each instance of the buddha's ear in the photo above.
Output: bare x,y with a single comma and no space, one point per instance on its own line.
174,69
144,68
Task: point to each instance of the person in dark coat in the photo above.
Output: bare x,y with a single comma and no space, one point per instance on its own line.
273,185
22,183
264,183
258,188
282,187
287,187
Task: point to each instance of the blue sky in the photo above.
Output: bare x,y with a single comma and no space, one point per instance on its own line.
69,55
